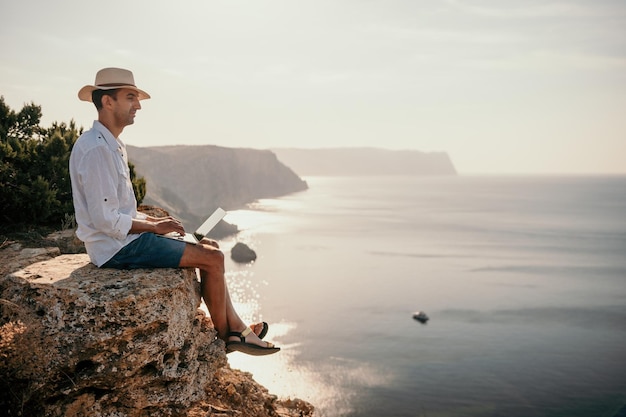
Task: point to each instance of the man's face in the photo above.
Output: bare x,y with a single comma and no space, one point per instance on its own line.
125,105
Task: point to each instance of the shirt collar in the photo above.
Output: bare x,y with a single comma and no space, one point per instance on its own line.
113,143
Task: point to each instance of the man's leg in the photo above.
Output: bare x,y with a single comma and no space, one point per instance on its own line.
210,261
257,328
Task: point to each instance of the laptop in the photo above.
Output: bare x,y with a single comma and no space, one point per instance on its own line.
203,230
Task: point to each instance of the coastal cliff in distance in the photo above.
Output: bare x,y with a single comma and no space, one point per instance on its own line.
191,181
365,161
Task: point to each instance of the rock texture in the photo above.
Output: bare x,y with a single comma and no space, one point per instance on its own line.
76,340
107,341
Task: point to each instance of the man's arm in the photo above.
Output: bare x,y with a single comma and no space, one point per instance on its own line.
96,179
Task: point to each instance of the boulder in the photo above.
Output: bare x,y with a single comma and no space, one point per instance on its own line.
242,253
66,240
76,340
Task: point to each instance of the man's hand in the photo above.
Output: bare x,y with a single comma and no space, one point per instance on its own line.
160,226
206,241
167,225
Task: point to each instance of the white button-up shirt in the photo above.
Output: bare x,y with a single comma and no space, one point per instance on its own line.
104,201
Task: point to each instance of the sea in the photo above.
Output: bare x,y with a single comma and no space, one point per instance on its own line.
523,279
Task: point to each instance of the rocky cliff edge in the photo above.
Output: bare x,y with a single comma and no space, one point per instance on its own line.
76,340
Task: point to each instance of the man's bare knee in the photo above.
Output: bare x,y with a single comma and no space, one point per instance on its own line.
203,257
212,260
212,252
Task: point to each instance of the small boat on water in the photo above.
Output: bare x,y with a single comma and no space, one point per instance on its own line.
421,316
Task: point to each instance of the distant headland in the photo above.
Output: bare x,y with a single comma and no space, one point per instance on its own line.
191,181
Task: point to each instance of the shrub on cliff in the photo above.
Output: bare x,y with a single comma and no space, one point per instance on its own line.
35,184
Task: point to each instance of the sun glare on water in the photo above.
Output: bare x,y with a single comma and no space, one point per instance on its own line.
279,373
330,385
263,216
283,374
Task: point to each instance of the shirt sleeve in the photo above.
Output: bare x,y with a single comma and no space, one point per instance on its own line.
100,177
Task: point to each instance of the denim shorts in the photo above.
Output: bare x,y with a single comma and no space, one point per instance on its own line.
148,251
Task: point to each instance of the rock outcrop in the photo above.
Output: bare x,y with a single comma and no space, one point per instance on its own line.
242,253
76,340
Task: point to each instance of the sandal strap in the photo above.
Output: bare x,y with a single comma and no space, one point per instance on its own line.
245,332
241,335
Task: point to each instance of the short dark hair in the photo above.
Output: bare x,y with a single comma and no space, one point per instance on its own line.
96,96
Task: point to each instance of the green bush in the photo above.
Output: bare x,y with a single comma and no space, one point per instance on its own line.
35,186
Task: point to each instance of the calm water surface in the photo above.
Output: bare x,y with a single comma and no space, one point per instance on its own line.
524,279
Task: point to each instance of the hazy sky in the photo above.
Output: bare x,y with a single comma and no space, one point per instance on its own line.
503,86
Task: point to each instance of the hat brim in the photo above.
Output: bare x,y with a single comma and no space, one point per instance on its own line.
84,94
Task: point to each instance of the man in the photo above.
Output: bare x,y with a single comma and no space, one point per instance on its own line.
117,236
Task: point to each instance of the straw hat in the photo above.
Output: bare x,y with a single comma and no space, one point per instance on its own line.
109,79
